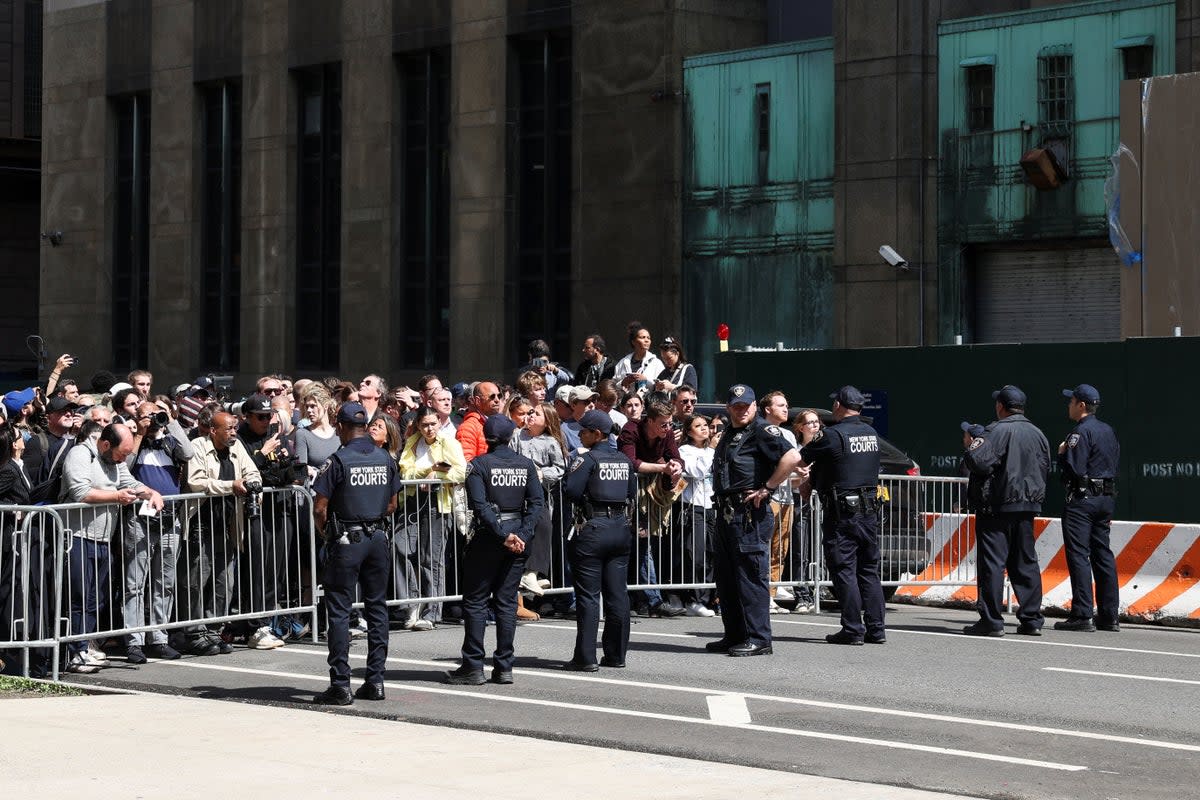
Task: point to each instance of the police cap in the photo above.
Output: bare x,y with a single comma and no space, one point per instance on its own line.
498,427
740,393
975,429
1085,393
849,396
596,420
1009,396
352,414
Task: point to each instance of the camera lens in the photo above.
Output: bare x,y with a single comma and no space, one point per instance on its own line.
161,418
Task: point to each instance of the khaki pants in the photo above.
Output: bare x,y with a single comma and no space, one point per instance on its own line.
781,537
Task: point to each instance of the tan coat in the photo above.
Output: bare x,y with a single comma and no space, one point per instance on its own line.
203,475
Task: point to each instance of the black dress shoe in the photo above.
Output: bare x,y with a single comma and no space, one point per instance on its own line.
844,637
666,611
612,662
719,646
1083,624
162,651
370,691
1029,629
983,629
750,649
875,638
502,677
640,610
134,655
334,696
1111,627
576,666
465,676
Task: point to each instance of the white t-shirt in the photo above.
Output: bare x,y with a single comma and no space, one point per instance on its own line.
697,467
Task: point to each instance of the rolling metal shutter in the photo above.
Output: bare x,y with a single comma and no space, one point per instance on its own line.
1048,296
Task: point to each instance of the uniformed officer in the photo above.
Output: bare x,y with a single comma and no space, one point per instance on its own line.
751,462
1013,457
356,491
602,484
1088,462
506,497
845,464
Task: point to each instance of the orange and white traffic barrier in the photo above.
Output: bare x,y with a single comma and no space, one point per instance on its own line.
1158,567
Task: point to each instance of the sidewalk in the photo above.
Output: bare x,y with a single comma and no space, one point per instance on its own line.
145,745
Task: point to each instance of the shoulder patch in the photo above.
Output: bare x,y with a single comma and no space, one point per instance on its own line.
324,467
1073,440
975,443
773,430
577,463
470,466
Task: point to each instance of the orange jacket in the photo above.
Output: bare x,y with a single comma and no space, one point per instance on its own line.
470,435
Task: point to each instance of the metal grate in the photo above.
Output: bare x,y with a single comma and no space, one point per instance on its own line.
1056,91
33,69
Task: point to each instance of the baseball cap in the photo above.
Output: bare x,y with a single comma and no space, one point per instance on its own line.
596,420
183,388
849,396
1084,392
1009,396
579,393
259,404
459,389
498,427
352,414
740,393
119,387
975,429
13,401
58,404
563,394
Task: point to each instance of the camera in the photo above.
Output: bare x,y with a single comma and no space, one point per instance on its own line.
892,257
254,499
233,408
541,362
160,419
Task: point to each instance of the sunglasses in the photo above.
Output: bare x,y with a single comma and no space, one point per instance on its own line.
492,397
688,401
273,392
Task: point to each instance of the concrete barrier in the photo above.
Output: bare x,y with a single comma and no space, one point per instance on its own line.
1158,567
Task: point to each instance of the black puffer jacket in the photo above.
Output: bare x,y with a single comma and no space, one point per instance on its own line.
1016,456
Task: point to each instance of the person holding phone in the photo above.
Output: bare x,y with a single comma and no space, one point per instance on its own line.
637,371
437,457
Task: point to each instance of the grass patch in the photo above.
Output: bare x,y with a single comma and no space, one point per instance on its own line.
20,687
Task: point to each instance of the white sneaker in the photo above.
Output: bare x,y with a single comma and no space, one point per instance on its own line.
544,583
414,614
422,625
784,593
95,656
263,639
695,609
777,609
803,608
80,666
529,583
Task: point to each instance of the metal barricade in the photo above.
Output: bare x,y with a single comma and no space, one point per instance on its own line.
30,586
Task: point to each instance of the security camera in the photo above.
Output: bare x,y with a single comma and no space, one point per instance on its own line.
892,257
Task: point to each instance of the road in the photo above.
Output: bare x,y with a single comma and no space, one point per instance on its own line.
1061,716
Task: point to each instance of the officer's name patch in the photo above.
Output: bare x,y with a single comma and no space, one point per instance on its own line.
864,444
369,476
1073,440
614,472
509,476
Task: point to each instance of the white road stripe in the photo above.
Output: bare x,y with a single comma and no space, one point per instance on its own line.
1035,640
478,695
799,701
1120,675
728,708
572,629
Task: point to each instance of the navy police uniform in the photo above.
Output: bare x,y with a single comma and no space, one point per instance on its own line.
360,482
845,462
1088,463
744,461
1012,458
602,483
506,496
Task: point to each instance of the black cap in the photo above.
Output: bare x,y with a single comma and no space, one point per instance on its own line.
740,393
352,414
60,403
596,420
499,428
1009,396
849,396
1084,392
975,429
257,404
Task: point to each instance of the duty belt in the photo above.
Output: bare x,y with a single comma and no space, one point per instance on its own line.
607,511
1092,487
509,516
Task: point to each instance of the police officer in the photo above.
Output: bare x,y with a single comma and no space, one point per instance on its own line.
1088,462
506,497
602,483
845,461
751,462
356,490
1014,457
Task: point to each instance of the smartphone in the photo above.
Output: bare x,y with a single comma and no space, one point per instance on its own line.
273,430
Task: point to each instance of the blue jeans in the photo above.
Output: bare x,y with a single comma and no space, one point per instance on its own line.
87,572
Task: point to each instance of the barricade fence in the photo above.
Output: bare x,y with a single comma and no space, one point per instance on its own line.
209,567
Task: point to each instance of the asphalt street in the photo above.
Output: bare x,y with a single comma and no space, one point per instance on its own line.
1065,715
